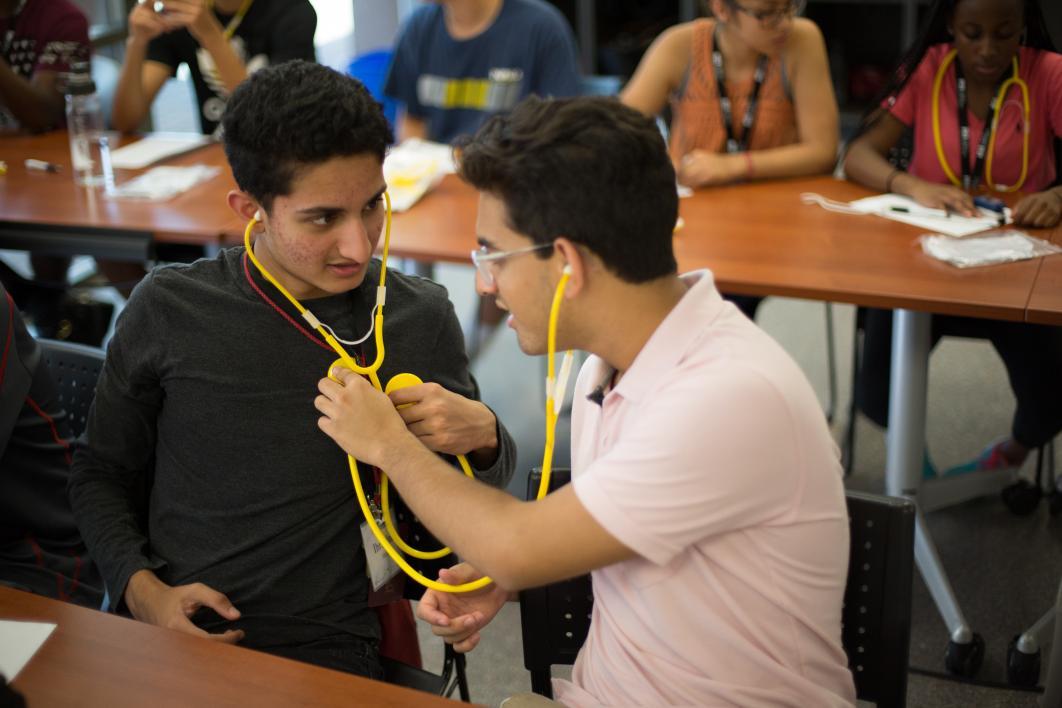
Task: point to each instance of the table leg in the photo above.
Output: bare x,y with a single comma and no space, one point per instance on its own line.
1053,681
903,465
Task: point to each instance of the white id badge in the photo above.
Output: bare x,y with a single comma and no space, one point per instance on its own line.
381,568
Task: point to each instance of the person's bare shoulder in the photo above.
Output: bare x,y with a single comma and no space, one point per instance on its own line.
805,37
677,40
671,52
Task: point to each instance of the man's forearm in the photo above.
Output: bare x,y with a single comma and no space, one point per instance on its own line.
230,69
477,521
130,106
141,585
107,517
31,106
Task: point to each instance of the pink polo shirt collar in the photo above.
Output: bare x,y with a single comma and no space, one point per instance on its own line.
671,341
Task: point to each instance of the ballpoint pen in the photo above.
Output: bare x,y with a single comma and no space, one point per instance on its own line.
921,213
41,165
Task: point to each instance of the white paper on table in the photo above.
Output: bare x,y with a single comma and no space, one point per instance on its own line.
161,183
933,219
155,147
414,167
19,641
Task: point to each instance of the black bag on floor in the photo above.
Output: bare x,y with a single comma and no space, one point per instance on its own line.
57,312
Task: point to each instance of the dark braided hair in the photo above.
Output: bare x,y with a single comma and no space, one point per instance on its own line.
294,114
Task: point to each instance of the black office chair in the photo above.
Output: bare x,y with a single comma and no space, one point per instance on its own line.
75,369
452,676
876,620
554,618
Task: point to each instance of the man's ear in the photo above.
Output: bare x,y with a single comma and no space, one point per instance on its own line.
245,206
577,262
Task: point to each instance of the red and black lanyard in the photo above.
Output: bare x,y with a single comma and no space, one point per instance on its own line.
971,179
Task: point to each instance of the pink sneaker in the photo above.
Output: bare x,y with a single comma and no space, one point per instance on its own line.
991,459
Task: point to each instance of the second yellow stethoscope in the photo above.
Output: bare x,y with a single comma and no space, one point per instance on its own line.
997,101
555,390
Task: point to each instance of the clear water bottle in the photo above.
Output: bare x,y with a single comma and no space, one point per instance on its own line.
90,150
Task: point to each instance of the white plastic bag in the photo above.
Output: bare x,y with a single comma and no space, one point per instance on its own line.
986,248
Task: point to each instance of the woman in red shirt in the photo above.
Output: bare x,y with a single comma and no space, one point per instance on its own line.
980,95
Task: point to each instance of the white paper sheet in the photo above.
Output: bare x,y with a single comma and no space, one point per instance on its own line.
165,182
19,641
892,206
155,147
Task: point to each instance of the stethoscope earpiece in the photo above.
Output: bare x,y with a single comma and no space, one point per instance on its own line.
257,215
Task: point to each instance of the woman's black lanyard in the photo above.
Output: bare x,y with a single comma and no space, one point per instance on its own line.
732,143
971,179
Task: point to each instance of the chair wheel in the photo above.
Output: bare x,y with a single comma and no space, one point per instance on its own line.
1022,669
965,659
1022,497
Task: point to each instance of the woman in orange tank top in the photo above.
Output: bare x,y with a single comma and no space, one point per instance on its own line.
755,67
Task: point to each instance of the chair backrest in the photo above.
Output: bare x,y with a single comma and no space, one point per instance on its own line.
453,675
876,620
600,85
554,618
371,70
75,368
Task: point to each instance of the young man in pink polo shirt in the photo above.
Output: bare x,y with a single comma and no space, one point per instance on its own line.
707,497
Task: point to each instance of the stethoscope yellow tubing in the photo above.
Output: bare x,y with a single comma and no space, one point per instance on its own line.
938,141
370,371
543,488
551,382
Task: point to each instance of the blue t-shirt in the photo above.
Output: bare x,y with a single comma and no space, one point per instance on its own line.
455,85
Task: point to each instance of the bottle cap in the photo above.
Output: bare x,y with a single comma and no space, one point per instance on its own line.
79,81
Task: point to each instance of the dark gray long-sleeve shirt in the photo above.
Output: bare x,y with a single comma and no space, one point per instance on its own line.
207,396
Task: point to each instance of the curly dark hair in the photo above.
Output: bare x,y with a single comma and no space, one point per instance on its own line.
295,114
590,169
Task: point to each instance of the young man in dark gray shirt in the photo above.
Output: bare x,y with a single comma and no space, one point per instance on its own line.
249,529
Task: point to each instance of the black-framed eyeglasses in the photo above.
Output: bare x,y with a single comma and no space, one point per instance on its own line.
769,19
483,257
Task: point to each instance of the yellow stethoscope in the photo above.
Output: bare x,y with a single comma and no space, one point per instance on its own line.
1000,95
555,391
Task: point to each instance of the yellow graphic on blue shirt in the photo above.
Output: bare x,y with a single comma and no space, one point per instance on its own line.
500,91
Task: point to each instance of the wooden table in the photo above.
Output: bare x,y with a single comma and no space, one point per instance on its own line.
96,659
1045,302
48,213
